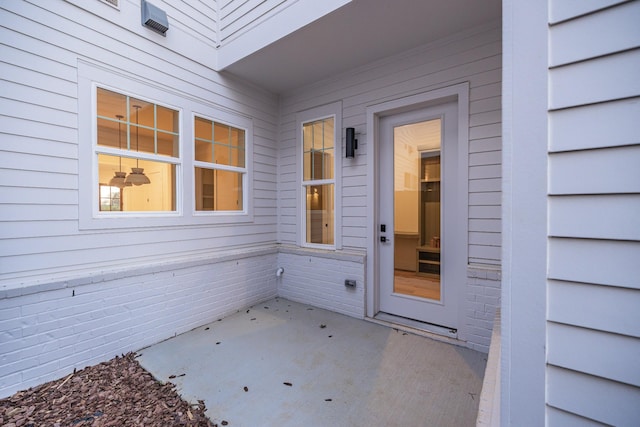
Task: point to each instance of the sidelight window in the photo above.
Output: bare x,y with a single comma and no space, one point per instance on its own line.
318,183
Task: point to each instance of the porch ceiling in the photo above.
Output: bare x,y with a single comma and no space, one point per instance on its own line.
356,34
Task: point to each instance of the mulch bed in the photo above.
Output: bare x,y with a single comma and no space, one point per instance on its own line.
114,393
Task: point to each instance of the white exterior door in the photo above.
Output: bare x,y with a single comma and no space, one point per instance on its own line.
421,253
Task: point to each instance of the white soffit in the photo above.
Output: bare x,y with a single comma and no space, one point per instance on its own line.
356,34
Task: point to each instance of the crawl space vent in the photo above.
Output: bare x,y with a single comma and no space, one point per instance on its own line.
154,18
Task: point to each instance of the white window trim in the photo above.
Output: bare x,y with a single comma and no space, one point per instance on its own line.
318,113
90,76
246,200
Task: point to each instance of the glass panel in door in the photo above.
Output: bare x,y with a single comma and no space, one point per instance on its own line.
417,209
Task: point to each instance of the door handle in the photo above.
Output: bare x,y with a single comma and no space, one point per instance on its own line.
384,239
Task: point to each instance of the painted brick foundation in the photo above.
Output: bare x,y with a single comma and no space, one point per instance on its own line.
483,299
317,278
48,330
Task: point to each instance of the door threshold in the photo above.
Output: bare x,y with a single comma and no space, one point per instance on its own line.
439,333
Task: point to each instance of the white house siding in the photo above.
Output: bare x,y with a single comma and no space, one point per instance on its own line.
43,246
473,56
593,321
238,16
193,24
39,175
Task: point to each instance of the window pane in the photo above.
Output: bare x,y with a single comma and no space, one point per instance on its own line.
142,140
307,166
158,195
221,133
112,133
167,144
141,112
237,138
218,190
204,151
327,164
221,154
307,136
167,119
320,214
204,129
237,157
111,104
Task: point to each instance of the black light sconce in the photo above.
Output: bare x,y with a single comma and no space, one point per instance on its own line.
352,143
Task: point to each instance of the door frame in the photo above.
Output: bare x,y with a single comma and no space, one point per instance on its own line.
458,93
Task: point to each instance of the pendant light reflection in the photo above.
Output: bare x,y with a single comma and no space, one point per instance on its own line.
119,179
137,176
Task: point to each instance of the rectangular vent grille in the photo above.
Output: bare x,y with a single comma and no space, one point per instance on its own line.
113,3
156,26
154,18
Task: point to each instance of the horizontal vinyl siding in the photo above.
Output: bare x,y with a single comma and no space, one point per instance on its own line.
475,57
237,16
593,337
41,44
199,17
192,29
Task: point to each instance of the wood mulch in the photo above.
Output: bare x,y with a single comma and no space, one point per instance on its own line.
114,393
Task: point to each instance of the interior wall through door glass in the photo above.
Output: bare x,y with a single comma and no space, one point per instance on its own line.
417,209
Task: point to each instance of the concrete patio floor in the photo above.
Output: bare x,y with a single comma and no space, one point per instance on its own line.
282,363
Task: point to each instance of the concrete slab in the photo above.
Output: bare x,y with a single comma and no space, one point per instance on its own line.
281,363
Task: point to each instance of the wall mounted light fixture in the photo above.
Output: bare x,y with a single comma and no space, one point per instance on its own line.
352,143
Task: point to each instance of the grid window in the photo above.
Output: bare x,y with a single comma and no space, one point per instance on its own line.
220,166
137,148
318,148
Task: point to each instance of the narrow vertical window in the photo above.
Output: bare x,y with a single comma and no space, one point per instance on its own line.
220,166
138,153
318,181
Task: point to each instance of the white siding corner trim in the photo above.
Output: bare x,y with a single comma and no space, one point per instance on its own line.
524,212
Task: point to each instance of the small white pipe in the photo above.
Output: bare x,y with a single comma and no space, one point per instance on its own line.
279,271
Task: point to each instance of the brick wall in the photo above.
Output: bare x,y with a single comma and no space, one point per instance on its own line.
483,299
48,330
317,278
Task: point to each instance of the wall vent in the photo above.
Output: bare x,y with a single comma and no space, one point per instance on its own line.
154,18
113,3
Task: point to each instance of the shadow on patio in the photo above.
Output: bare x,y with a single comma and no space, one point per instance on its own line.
281,363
